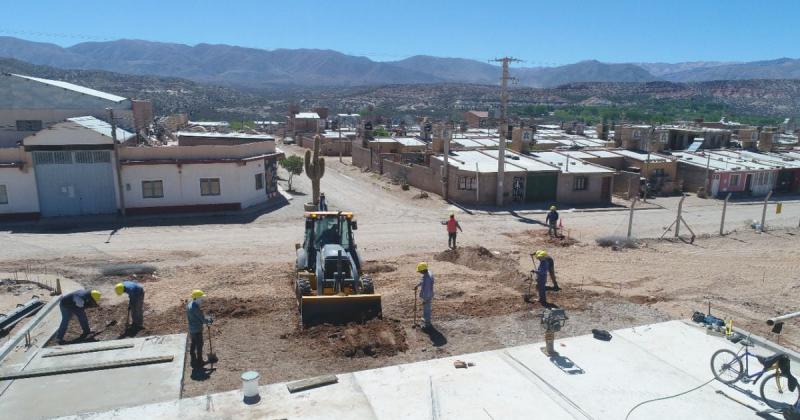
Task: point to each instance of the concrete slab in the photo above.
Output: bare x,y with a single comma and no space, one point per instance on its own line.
97,390
601,380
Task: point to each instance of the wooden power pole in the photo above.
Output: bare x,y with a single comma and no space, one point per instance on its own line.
501,150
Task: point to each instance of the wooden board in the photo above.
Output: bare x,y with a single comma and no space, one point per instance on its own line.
310,383
85,368
91,350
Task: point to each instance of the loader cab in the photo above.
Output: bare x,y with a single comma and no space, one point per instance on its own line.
326,228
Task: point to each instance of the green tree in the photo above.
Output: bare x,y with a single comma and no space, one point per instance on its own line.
293,165
380,132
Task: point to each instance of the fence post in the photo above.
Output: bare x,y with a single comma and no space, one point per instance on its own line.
678,217
764,211
722,222
630,217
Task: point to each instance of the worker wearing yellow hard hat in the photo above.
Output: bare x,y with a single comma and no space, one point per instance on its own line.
74,304
425,287
135,293
197,319
541,276
552,222
551,267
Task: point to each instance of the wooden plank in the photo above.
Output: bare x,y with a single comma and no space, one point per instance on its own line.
310,383
85,368
91,350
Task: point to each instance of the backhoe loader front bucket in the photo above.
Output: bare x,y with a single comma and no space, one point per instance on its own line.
339,309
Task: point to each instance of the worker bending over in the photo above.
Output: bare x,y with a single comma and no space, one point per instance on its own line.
541,276
425,287
552,221
74,304
135,293
452,230
197,319
551,268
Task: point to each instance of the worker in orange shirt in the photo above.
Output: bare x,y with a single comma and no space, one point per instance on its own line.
452,230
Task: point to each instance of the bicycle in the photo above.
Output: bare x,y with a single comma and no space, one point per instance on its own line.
728,368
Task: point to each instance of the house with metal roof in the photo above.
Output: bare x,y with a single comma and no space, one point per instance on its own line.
579,181
30,104
720,174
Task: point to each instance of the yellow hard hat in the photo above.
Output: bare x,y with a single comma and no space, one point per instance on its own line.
197,293
95,295
541,254
119,288
552,207
422,267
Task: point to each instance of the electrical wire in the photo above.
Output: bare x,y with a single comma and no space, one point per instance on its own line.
668,397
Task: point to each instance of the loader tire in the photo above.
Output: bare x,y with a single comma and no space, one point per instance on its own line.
367,287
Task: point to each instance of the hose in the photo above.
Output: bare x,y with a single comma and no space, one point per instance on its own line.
668,397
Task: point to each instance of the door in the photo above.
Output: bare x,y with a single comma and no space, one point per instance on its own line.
748,182
541,187
73,183
605,190
518,190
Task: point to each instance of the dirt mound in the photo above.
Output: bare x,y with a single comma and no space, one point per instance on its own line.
375,338
540,238
476,258
374,267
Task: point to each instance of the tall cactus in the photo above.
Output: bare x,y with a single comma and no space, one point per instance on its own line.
315,169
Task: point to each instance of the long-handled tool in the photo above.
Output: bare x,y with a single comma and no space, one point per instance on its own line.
212,357
415,309
107,326
528,296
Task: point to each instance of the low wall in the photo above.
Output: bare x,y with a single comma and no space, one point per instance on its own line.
626,184
240,151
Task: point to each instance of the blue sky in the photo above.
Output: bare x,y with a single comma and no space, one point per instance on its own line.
539,32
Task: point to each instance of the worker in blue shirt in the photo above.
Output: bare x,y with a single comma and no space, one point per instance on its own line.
197,319
425,287
541,276
552,221
74,304
135,293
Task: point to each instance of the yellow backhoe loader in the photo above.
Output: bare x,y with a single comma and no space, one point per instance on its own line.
329,286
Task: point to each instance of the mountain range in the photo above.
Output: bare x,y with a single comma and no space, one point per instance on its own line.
257,68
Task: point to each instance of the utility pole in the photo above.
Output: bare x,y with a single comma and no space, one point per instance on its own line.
116,159
501,150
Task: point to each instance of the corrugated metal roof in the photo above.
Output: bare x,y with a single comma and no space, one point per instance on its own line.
570,164
101,127
303,115
224,135
75,88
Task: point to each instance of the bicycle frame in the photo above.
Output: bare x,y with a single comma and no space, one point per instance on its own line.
745,357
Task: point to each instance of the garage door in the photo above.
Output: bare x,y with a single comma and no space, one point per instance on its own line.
73,183
541,188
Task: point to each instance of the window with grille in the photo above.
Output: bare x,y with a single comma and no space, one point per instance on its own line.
92,157
209,186
734,180
29,125
3,195
259,181
52,158
580,183
466,183
152,189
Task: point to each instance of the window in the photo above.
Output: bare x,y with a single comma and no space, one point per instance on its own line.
637,134
259,181
209,186
734,180
466,183
29,125
580,183
3,195
152,189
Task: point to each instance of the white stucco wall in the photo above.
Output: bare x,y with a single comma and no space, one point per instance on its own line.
21,188
182,184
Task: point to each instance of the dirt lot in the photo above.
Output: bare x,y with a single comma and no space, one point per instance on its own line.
246,269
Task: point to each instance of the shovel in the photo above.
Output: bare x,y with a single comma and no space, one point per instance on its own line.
415,309
212,357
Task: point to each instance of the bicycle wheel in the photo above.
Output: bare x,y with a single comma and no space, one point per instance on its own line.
726,366
775,392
